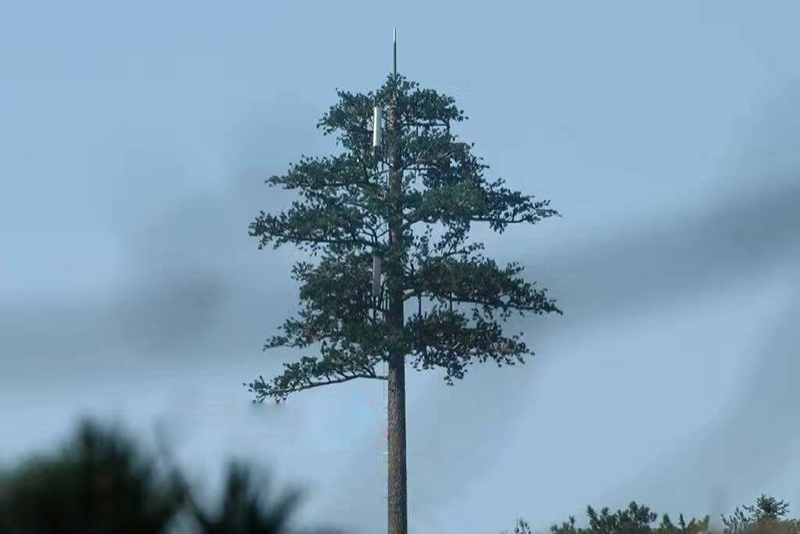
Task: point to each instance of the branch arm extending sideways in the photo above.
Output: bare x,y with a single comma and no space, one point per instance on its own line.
311,384
323,241
413,218
502,305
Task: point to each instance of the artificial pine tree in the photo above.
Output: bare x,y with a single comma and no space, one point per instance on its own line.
405,207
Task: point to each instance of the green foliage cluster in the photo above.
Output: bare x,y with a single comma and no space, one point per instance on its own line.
636,519
766,516
344,216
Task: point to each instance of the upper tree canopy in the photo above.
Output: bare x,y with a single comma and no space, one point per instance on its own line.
343,219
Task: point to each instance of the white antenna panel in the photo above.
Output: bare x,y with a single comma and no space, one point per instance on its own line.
376,126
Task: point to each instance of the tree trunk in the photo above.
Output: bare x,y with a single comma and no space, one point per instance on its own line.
397,479
398,489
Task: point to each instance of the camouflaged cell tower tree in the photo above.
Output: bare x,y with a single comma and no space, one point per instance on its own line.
436,304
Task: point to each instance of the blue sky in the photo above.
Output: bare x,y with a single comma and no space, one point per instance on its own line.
133,142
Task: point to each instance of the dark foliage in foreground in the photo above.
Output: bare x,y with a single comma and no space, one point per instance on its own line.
100,483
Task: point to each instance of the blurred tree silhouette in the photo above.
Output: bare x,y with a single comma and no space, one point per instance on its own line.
101,484
96,484
244,508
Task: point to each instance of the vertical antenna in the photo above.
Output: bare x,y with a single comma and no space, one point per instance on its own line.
385,371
